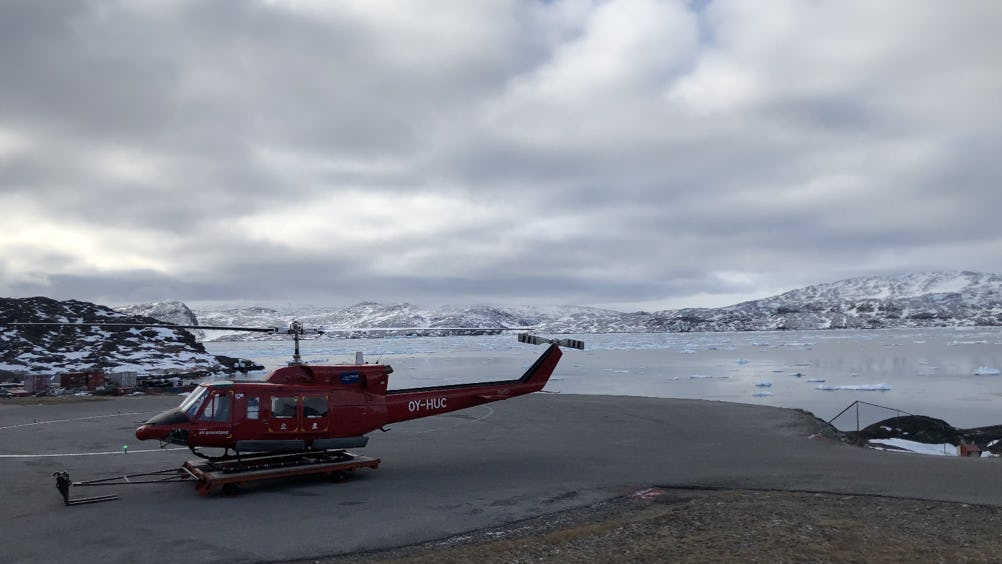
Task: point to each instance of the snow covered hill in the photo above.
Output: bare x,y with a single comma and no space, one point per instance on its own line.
54,350
933,299
167,312
913,300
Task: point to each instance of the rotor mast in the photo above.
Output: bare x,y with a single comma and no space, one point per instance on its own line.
296,329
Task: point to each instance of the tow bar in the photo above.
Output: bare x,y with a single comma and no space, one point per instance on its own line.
63,484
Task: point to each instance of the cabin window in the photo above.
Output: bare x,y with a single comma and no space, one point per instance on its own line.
253,407
315,407
284,407
217,408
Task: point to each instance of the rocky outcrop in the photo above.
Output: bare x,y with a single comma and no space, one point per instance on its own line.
929,430
45,349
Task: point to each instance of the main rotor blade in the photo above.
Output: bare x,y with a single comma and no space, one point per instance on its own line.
277,330
140,325
376,329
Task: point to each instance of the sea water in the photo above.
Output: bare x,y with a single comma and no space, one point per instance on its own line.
947,373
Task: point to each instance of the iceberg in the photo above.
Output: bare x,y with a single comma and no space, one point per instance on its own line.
856,388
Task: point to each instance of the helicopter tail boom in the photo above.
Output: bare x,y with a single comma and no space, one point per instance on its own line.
403,405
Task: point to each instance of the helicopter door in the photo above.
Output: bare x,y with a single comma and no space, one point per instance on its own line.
315,413
246,408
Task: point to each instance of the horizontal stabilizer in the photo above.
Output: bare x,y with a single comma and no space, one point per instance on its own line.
534,340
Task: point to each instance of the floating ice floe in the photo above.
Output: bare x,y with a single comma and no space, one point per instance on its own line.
856,388
986,371
815,380
762,394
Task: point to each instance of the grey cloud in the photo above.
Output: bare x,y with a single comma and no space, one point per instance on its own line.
725,146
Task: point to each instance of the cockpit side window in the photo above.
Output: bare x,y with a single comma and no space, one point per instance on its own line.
217,408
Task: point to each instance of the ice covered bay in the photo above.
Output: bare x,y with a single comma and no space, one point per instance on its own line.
943,373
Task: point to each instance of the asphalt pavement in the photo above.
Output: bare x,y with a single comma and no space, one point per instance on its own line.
439,476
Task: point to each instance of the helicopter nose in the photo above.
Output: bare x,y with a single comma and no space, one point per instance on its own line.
147,432
159,426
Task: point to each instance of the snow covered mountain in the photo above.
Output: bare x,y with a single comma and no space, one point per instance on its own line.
566,319
166,312
54,350
933,299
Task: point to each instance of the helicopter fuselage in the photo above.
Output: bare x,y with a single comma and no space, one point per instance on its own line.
320,407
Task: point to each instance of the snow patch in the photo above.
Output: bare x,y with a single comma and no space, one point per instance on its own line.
945,449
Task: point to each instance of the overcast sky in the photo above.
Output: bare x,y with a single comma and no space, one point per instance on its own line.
630,154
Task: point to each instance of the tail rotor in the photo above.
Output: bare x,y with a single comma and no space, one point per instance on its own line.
534,340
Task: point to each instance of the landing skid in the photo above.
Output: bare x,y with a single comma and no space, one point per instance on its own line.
225,456
257,456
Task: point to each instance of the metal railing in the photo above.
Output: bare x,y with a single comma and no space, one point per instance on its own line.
856,404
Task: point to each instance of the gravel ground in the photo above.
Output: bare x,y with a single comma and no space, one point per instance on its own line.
663,525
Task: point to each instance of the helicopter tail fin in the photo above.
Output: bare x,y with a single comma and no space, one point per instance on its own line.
540,371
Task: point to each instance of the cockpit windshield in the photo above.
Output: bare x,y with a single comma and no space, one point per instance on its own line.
194,401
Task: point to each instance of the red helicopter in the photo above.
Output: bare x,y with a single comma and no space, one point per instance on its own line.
302,407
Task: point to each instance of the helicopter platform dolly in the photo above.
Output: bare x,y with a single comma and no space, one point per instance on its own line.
229,475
